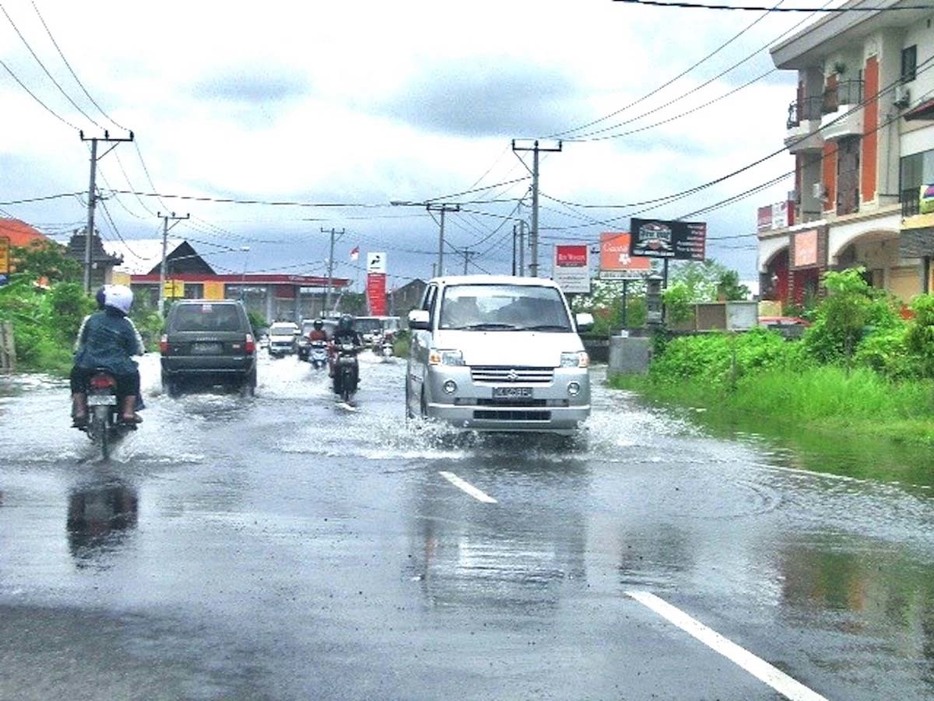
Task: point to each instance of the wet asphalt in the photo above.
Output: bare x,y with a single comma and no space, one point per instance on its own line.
285,547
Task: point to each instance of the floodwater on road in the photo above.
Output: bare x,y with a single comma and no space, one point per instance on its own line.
287,547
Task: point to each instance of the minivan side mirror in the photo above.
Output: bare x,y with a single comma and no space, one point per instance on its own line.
419,320
584,321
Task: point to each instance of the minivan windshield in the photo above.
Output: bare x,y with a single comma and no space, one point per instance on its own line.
503,307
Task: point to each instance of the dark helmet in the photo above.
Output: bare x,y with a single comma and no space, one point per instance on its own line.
318,324
345,323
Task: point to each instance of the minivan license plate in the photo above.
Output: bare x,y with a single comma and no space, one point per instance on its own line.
512,393
206,348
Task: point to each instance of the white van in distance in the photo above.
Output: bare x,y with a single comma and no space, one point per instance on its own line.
498,353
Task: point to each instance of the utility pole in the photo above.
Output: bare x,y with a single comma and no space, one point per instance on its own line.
334,236
165,240
444,207
92,199
533,235
518,244
468,254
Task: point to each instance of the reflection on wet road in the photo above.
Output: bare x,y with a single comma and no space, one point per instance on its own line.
282,547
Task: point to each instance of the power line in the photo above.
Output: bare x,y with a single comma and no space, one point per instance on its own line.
770,9
71,70
46,70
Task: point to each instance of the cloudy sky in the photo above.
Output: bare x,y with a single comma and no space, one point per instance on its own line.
267,123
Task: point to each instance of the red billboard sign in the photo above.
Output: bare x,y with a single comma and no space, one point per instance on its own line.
376,293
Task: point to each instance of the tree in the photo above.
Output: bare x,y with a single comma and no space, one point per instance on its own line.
707,281
46,260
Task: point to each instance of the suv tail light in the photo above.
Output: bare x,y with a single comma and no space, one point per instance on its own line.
250,345
164,344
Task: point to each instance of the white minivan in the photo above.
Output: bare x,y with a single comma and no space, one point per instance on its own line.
498,353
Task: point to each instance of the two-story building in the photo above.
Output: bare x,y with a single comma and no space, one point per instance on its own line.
861,130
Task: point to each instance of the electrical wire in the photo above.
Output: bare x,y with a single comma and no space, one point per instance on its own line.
71,70
46,70
764,8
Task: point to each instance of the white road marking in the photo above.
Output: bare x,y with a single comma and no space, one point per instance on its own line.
756,666
467,487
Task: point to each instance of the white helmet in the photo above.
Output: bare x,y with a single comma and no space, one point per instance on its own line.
120,297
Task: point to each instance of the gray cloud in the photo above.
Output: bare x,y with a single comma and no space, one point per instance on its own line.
252,85
492,98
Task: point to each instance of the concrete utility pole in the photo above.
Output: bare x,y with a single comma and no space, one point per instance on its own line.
533,235
92,199
518,244
444,207
334,236
468,254
165,240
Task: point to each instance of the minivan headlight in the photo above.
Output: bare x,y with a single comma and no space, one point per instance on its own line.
575,359
445,357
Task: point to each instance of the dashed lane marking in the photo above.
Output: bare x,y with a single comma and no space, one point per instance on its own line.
467,487
756,666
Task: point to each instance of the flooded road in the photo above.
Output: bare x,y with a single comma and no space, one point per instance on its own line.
283,547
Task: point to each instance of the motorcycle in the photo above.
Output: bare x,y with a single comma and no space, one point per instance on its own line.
384,348
346,371
318,354
104,426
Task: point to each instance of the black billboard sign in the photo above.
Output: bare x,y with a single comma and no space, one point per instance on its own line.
659,238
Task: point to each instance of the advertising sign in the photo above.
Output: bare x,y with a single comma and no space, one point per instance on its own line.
677,240
780,215
173,289
376,262
376,283
4,260
213,290
571,267
376,293
615,261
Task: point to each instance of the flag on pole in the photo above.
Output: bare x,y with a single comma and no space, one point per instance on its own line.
355,253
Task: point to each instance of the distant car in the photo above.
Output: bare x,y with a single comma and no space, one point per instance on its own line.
306,328
283,338
208,342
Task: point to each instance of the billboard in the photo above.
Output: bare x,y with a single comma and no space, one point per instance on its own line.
677,240
571,267
376,283
615,261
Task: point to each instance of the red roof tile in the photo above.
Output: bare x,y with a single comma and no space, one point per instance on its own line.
20,233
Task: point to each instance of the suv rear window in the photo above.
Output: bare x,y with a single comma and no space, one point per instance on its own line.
206,317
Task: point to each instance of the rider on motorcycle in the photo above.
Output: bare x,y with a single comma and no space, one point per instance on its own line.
344,334
318,333
108,339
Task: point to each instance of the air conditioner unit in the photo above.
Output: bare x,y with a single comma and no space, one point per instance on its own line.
902,96
820,192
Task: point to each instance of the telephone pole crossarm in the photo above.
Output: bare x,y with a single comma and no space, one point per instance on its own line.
442,207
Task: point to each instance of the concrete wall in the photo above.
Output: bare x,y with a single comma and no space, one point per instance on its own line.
629,355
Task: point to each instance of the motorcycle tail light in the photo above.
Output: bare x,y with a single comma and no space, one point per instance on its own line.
250,345
164,344
102,381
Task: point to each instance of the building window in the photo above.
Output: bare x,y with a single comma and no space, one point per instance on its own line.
914,171
909,63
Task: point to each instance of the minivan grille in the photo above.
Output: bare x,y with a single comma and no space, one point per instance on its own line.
505,375
511,415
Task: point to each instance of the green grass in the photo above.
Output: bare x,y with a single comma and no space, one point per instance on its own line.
824,399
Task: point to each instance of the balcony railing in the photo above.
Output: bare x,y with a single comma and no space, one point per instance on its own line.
808,109
849,92
911,203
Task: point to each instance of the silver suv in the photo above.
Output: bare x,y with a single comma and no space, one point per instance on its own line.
498,353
